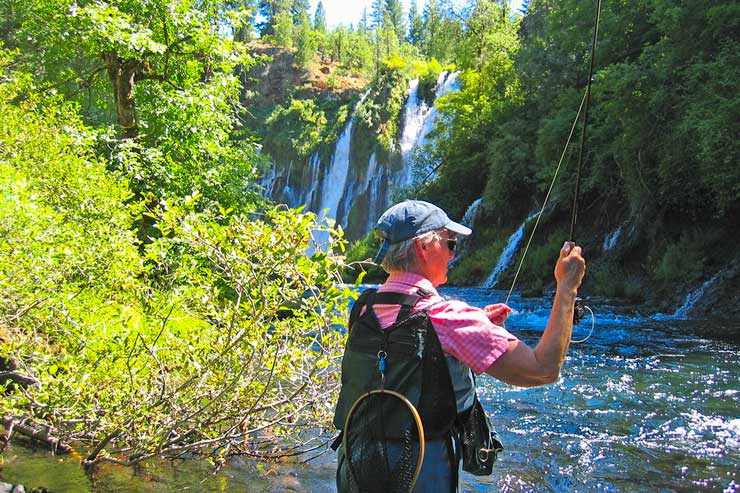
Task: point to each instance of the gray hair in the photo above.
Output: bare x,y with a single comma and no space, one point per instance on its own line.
401,256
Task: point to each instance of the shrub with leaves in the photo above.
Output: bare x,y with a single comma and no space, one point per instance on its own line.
222,339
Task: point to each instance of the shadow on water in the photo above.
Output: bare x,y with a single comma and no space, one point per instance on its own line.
647,404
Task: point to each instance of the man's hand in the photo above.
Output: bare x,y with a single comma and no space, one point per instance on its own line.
570,268
497,313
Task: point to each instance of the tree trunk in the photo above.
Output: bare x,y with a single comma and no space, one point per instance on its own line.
122,74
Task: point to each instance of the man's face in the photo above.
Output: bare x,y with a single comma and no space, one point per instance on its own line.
437,255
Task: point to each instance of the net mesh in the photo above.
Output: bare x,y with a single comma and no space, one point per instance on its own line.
377,463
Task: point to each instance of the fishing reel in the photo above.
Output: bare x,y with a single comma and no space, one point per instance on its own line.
579,311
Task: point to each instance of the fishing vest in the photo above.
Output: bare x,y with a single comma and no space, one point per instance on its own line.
415,364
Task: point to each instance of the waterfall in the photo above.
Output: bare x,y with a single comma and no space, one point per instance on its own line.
610,240
468,220
694,296
414,114
335,178
419,119
472,212
373,187
345,188
310,195
511,247
445,85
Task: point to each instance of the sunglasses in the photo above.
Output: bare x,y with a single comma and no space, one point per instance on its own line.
451,245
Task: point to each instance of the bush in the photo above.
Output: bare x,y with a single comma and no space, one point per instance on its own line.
611,280
358,268
221,340
680,262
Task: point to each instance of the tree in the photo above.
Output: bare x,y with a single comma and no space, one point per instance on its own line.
393,18
299,8
269,11
283,29
363,26
377,14
319,20
306,41
210,333
416,25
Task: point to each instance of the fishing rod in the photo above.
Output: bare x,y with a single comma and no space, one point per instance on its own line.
579,308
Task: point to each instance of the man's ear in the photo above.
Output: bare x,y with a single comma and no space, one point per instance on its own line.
421,249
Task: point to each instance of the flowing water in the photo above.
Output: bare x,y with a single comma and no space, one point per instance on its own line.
644,405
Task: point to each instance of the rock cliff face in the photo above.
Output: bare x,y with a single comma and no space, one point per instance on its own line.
334,150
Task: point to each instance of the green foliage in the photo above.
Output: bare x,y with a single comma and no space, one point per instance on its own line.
319,19
65,228
219,340
381,109
681,261
428,74
303,125
611,280
537,272
661,146
359,259
284,29
189,147
710,120
306,41
442,31
473,269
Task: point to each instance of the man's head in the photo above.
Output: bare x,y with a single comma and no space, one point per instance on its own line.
417,237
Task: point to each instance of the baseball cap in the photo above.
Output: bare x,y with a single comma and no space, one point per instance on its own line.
412,218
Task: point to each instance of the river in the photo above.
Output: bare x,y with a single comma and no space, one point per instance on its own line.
644,405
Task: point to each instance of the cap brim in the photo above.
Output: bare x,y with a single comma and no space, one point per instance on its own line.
382,252
458,228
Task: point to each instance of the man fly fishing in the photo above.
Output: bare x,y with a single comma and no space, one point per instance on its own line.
405,338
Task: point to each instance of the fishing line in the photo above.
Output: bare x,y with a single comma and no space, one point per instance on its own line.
593,324
547,198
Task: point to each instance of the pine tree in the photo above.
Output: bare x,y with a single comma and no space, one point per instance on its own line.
319,18
393,18
363,27
298,8
377,15
416,25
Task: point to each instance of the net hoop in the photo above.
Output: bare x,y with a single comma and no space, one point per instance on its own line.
414,413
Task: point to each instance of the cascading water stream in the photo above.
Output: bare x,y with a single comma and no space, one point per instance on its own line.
314,163
335,179
505,259
334,182
419,120
445,85
468,220
348,187
611,240
693,297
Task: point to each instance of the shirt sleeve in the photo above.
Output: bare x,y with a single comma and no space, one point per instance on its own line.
465,332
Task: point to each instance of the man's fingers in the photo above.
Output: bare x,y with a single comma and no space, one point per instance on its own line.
567,247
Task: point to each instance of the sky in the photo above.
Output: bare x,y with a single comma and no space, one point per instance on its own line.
349,11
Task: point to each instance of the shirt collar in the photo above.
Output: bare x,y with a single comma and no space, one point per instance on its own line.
408,282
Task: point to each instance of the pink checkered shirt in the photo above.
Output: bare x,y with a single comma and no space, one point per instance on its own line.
463,330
